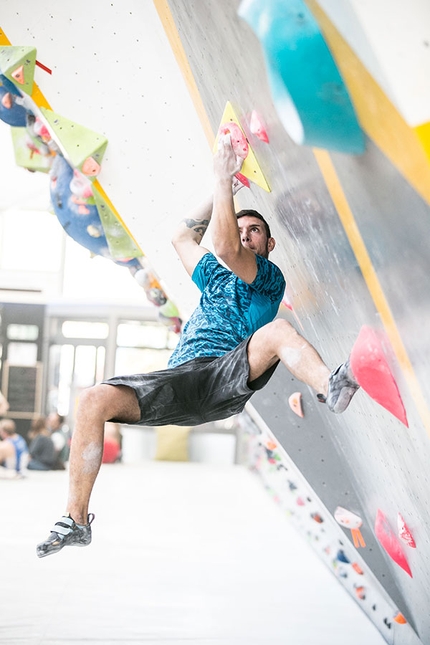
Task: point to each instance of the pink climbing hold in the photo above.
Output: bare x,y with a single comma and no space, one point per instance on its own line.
90,167
372,372
256,127
389,542
405,533
7,101
295,403
238,140
286,301
243,180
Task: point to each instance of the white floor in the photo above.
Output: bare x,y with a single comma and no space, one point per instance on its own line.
182,553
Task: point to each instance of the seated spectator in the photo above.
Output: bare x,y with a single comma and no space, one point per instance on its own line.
112,444
60,435
42,450
13,451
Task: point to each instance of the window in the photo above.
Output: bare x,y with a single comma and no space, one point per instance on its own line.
141,334
22,332
84,329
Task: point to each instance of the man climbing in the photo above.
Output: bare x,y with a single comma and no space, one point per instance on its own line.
229,348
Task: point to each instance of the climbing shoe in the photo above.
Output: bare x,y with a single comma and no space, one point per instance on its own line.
66,533
341,388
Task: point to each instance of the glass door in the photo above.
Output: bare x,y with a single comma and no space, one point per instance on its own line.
77,356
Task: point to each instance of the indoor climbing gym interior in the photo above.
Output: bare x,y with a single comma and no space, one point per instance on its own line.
285,523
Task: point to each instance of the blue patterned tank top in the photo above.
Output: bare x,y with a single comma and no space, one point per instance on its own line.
230,310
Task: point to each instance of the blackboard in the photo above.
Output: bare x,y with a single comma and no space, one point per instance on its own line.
22,388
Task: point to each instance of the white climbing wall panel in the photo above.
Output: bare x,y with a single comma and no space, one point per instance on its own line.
113,71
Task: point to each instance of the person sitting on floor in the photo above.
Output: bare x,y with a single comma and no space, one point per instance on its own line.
43,455
60,435
13,451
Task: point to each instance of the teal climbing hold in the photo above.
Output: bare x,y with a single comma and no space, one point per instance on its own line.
307,89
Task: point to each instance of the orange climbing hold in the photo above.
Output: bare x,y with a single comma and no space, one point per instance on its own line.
372,372
271,445
18,75
357,568
295,403
400,619
351,521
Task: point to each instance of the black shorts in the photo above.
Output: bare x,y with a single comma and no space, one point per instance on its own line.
201,390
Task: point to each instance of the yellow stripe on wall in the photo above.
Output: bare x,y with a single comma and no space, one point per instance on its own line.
356,241
417,177
423,134
377,115
164,13
4,40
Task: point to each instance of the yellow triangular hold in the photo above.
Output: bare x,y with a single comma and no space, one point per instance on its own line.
250,168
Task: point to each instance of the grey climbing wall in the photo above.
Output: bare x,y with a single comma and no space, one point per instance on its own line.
365,263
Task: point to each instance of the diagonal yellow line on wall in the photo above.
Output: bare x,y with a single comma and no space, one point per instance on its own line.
166,18
338,196
376,114
423,133
356,241
4,40
40,100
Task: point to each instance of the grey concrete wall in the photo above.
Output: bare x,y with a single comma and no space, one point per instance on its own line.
365,459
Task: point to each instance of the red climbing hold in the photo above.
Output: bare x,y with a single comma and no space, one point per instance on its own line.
238,139
317,518
360,592
243,180
372,372
257,127
404,532
295,403
389,542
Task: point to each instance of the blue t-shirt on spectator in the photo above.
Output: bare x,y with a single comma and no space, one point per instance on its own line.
230,310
